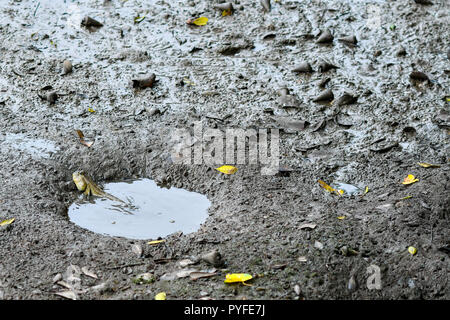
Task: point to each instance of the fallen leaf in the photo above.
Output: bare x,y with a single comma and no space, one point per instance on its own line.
341,217
185,262
91,110
428,165
138,19
64,284
188,82
410,179
412,250
82,141
160,296
155,242
88,273
67,294
366,190
227,169
7,221
308,226
237,277
198,275
199,21
226,13
325,186
407,197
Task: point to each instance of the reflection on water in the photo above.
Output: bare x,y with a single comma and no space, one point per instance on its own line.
152,211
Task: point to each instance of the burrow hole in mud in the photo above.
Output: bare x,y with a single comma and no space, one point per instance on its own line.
148,211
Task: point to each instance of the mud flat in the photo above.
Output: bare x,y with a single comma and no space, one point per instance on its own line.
389,110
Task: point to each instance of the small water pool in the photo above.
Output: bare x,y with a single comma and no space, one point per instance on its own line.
149,211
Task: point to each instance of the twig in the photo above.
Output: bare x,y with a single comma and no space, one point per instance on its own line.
37,7
126,265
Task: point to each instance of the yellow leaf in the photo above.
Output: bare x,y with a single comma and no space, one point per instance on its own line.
341,217
325,186
139,19
200,21
226,13
7,221
155,242
412,250
340,192
367,190
407,197
227,169
189,82
428,165
410,179
91,110
237,277
160,296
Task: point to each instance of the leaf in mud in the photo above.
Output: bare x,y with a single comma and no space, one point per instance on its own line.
67,294
308,226
200,21
237,277
82,141
88,273
155,242
188,82
428,165
412,250
160,296
7,221
227,169
198,275
325,186
226,13
138,19
410,179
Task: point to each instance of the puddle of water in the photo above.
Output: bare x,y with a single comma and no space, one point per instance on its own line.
348,188
37,148
153,211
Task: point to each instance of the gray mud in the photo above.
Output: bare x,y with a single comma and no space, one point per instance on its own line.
227,74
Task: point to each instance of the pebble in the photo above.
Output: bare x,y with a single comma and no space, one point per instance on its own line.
325,37
214,258
67,67
352,285
326,95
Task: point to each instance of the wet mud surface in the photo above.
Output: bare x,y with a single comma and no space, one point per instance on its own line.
228,74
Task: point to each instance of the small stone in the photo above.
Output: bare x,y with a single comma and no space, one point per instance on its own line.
137,249
67,67
326,95
297,289
352,285
325,37
214,258
318,245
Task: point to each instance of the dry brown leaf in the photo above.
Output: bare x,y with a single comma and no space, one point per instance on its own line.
82,141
